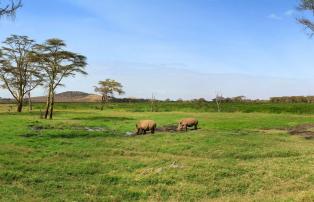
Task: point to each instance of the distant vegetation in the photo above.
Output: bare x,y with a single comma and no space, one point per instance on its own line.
173,106
292,99
80,100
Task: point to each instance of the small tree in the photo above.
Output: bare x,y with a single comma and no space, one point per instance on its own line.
107,89
307,5
9,7
152,103
17,69
218,99
57,64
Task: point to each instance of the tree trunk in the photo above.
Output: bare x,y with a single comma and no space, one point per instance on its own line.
52,104
103,100
48,103
19,101
218,105
19,106
30,104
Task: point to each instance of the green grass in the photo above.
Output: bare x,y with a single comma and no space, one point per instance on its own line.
231,158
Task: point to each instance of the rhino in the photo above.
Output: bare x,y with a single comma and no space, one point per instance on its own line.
145,125
187,122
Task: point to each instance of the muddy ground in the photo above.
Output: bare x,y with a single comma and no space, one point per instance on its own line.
167,128
171,128
304,130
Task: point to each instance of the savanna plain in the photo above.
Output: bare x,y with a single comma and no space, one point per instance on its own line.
84,154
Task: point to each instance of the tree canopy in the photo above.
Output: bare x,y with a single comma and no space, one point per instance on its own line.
307,5
17,71
9,7
107,89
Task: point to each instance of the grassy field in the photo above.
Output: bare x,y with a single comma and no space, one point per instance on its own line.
84,155
264,107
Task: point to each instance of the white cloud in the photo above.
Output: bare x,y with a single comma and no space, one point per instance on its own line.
274,17
289,12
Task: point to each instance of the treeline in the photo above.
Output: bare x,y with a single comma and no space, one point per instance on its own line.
292,99
237,99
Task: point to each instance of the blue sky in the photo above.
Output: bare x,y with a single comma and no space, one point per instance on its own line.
179,48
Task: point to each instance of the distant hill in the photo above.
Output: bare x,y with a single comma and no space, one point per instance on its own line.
71,96
74,96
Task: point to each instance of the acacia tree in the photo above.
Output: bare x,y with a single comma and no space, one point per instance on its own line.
107,89
307,5
17,69
8,8
57,64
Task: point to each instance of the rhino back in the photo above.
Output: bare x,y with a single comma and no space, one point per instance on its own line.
189,121
147,124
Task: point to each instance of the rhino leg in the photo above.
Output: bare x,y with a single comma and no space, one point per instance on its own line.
195,126
153,130
179,127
